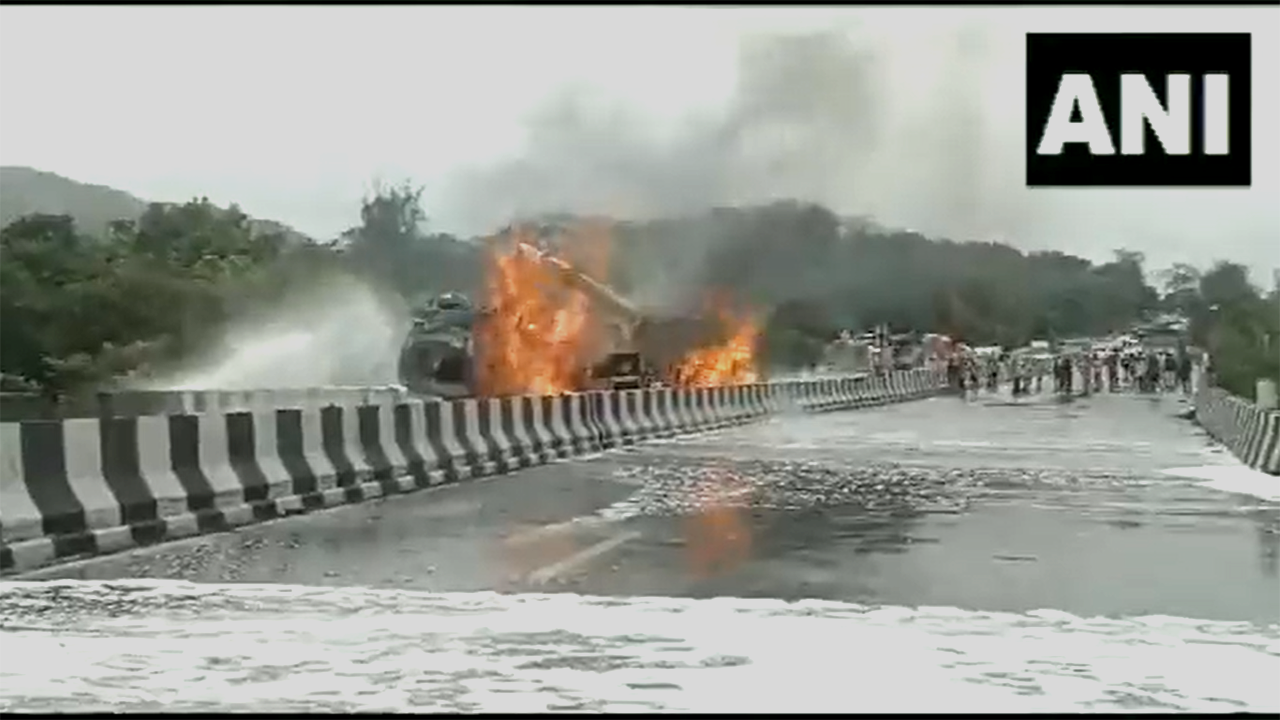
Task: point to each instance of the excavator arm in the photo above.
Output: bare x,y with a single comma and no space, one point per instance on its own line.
619,369
623,313
653,344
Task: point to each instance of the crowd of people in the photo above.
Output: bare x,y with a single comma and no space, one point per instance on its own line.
1134,370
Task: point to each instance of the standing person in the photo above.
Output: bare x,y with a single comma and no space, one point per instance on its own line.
1152,373
1111,362
954,377
1170,371
1184,372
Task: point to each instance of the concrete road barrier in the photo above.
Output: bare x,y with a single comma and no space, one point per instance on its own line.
87,486
1251,433
18,407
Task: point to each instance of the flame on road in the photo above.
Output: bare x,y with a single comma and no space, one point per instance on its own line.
730,363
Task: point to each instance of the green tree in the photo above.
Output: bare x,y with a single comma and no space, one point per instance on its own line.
391,246
1181,290
860,275
43,264
78,311
1240,326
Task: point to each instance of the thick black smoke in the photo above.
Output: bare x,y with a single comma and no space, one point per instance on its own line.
816,117
924,133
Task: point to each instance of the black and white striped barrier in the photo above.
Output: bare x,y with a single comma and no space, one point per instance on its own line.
17,407
1249,432
87,486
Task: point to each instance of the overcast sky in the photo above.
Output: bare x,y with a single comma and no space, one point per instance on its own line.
912,115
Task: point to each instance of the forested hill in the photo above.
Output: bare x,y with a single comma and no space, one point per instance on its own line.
86,299
851,275
27,191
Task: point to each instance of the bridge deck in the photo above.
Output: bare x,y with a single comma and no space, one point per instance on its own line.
985,504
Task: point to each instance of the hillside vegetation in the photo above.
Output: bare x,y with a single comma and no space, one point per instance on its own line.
27,191
88,298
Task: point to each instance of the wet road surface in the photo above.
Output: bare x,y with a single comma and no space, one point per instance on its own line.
985,504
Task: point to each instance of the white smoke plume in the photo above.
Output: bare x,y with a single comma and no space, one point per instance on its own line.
338,333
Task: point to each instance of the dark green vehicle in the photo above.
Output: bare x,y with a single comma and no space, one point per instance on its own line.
437,357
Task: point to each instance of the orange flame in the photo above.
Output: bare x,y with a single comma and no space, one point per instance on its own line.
535,334
730,363
539,334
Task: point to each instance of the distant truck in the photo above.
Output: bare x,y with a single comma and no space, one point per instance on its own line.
849,354
938,348
906,352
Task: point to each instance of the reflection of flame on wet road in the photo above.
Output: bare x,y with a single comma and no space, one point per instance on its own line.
717,534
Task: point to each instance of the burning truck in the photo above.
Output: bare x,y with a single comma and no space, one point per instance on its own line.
548,327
